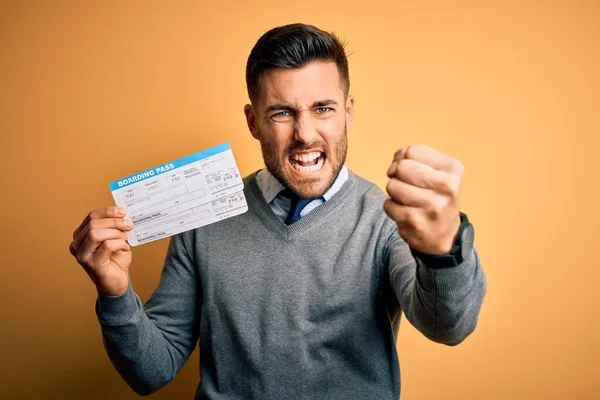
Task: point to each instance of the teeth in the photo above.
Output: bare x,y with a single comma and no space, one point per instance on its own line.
312,168
307,157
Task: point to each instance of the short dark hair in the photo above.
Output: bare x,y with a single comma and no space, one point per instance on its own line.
294,46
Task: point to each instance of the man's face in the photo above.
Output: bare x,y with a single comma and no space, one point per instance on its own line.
301,119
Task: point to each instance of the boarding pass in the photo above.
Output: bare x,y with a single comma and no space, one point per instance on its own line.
181,195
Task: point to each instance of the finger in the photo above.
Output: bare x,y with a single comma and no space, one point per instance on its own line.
108,212
407,194
401,214
425,176
399,155
93,240
72,248
432,157
108,247
101,225
121,224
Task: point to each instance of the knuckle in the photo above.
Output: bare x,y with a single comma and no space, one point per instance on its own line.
430,208
95,235
110,245
81,258
455,190
454,185
123,224
445,185
410,217
406,170
390,186
413,150
450,184
436,207
458,167
111,211
403,166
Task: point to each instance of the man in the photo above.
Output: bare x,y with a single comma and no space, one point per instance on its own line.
299,297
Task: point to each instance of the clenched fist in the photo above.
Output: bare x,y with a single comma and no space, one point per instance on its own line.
424,189
100,247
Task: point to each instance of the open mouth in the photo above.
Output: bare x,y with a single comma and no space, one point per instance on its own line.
308,162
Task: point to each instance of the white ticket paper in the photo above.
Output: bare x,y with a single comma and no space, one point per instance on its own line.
181,195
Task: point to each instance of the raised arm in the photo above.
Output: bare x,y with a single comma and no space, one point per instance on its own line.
442,292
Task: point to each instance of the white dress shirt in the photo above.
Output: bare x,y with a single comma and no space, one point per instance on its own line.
271,190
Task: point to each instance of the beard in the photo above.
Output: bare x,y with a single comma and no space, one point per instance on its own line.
306,188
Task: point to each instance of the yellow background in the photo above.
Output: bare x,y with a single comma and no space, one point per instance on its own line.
91,92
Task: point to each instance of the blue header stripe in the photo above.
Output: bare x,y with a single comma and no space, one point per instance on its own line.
168,166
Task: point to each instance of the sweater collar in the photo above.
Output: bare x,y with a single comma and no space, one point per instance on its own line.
257,204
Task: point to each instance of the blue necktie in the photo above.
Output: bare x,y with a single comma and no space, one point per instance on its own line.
296,207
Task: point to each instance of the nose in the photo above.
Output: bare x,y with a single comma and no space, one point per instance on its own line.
304,128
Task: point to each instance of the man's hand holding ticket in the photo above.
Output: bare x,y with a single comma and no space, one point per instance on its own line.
171,198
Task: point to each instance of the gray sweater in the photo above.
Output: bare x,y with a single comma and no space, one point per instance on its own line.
306,311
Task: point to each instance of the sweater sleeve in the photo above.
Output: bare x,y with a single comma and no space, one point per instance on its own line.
443,304
149,344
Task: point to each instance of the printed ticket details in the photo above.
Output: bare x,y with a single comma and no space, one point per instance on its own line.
181,195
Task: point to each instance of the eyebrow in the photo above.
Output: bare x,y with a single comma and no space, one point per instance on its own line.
287,107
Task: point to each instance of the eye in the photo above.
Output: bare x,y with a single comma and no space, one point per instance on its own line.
323,110
281,116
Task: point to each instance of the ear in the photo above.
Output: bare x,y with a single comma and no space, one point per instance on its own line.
251,120
350,111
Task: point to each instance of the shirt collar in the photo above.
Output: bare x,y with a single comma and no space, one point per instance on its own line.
271,187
